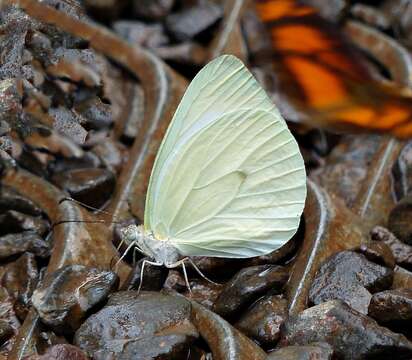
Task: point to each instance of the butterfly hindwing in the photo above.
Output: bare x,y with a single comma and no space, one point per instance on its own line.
229,180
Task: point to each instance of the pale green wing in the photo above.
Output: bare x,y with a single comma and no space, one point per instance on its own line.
229,180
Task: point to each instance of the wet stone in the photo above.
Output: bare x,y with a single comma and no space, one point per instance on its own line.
401,251
6,331
203,292
20,279
96,114
331,10
175,281
111,154
14,244
248,285
64,297
153,277
145,326
392,306
61,352
402,172
90,186
152,9
191,22
7,311
371,15
262,321
402,278
219,335
379,253
399,222
13,221
68,123
349,276
352,335
147,35
188,52
10,200
318,351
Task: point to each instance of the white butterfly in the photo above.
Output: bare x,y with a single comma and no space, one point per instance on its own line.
228,180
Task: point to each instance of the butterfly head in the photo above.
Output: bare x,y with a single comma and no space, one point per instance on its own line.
163,252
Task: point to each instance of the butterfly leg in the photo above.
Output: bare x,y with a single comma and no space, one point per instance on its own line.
178,263
142,271
199,272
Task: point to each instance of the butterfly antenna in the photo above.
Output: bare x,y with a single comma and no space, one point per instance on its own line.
85,221
85,205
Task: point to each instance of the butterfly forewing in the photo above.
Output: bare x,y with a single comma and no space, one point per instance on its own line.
229,180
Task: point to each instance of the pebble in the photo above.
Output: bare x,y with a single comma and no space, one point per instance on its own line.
20,279
97,114
14,244
225,342
262,321
352,335
10,200
248,285
6,331
392,306
14,221
145,326
152,9
139,33
90,186
402,170
402,278
153,277
61,352
349,276
399,222
379,253
317,351
401,251
64,297
191,22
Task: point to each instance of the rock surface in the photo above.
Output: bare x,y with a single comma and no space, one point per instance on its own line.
392,306
65,296
349,276
262,321
248,285
321,351
145,326
352,335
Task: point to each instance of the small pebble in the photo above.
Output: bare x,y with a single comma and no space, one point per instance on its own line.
401,251
262,321
152,9
400,220
248,285
146,326
402,278
349,276
20,279
64,297
14,244
90,186
318,351
352,335
190,22
392,306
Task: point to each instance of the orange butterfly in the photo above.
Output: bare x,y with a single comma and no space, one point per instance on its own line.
325,77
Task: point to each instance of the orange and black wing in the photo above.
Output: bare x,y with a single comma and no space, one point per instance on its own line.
325,76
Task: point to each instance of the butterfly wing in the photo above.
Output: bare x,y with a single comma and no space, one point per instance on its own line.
228,180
